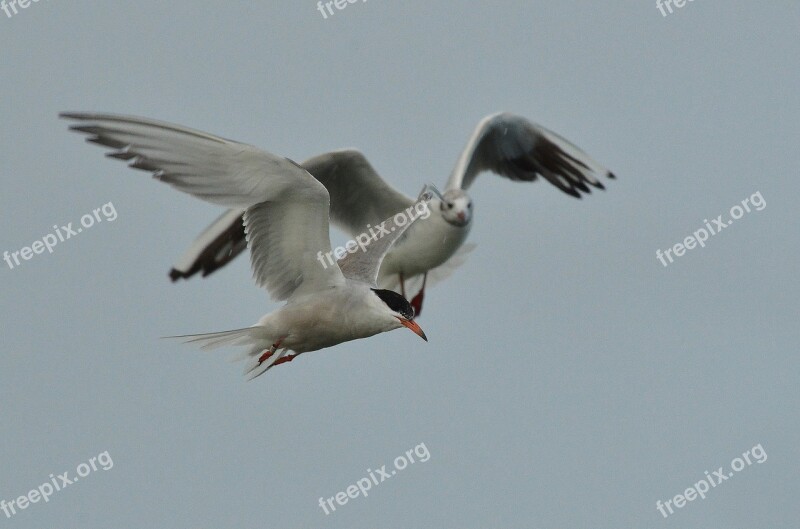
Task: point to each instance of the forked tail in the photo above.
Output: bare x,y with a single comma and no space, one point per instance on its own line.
255,338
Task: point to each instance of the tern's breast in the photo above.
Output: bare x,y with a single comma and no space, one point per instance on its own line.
328,318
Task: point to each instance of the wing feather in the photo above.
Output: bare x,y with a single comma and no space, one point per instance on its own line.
286,209
359,196
520,150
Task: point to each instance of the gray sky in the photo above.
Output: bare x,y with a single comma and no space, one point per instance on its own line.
570,381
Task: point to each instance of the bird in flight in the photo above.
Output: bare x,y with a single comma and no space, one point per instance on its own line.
505,144
285,221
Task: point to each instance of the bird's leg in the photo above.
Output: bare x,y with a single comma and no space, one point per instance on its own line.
269,352
402,285
283,360
417,301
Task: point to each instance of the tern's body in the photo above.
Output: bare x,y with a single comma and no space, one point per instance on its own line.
284,215
327,318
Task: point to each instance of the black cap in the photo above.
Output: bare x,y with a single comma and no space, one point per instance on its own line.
396,302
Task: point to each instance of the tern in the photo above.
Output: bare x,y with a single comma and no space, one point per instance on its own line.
503,143
286,224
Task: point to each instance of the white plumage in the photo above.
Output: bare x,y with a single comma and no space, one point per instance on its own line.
285,215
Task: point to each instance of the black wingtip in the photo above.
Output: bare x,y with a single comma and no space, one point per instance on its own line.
611,175
87,129
120,155
176,274
71,115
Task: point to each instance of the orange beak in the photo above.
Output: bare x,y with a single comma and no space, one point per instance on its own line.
411,324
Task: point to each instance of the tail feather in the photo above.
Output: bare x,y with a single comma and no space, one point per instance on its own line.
214,340
247,353
255,338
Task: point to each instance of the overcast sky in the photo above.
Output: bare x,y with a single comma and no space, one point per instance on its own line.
571,380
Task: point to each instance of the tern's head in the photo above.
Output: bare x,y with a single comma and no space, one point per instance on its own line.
456,207
400,310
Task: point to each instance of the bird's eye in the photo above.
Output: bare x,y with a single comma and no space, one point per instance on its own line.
449,205
469,205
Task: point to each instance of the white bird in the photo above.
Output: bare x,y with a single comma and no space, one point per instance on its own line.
286,222
503,143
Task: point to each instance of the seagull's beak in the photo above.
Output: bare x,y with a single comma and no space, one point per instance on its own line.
411,324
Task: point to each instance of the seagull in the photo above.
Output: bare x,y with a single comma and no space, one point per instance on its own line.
286,225
505,144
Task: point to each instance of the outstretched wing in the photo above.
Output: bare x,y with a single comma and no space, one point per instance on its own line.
359,196
518,149
285,208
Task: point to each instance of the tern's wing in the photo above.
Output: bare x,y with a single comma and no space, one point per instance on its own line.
286,209
363,265
518,149
359,196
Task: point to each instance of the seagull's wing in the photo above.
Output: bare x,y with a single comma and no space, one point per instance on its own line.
218,245
364,265
518,149
359,196
286,209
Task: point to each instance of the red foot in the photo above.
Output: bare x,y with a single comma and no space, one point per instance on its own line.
269,352
417,303
265,356
284,360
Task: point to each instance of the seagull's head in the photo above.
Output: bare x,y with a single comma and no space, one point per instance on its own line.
398,311
456,207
